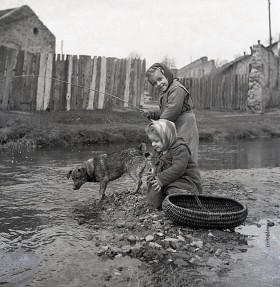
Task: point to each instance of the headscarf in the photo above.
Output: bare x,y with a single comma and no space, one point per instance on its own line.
166,131
165,71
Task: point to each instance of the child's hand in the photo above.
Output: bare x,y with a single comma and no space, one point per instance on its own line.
156,184
151,175
144,114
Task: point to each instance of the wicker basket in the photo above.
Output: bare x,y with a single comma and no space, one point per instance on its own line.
204,211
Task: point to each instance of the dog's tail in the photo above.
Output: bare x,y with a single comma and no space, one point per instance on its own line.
143,149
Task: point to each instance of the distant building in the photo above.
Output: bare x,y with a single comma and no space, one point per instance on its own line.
21,29
197,69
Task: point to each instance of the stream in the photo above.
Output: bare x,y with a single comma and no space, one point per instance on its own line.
35,199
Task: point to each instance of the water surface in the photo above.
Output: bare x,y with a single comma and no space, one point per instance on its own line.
36,200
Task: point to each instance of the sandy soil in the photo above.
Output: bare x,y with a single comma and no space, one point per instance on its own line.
122,243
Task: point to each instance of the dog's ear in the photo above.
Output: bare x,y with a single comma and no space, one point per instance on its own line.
69,173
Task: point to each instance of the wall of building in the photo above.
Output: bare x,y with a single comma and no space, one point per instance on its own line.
29,35
197,69
239,66
264,79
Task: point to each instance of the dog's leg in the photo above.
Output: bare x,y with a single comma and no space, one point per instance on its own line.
137,179
138,185
103,186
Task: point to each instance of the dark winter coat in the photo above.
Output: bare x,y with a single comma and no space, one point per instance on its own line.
176,168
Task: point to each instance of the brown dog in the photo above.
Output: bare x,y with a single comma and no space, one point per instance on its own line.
108,167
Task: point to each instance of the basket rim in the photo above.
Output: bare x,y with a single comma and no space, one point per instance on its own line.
244,207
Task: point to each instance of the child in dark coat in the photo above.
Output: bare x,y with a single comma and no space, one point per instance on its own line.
174,169
174,105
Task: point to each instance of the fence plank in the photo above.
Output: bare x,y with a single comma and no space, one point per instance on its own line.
87,70
57,84
92,85
74,81
10,66
96,98
26,96
64,84
109,83
17,81
131,83
102,83
3,57
127,81
142,82
41,83
69,60
48,81
117,70
34,88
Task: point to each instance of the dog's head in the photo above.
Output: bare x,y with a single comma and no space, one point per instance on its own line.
79,176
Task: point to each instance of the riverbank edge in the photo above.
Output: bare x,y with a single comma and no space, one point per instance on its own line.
62,129
126,135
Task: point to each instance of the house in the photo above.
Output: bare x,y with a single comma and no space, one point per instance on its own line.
21,29
197,69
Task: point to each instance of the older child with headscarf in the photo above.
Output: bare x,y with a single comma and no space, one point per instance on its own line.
174,169
174,105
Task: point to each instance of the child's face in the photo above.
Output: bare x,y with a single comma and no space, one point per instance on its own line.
156,142
159,81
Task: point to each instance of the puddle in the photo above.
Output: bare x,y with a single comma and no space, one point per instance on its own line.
259,265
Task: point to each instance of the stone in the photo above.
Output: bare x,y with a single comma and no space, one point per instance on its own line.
198,244
181,238
120,224
180,262
149,238
131,239
154,245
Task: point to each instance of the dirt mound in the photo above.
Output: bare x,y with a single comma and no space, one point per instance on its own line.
176,255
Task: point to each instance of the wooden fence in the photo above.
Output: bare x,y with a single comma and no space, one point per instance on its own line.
65,82
217,92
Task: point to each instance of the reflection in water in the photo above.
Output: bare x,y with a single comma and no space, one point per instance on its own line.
265,262
241,154
223,154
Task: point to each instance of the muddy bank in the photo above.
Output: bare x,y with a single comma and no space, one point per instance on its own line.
52,129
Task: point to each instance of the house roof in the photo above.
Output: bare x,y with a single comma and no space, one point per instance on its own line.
3,12
10,16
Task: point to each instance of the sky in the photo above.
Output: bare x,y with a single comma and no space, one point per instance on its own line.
182,30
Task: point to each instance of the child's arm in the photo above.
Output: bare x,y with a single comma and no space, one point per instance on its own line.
152,115
174,105
177,169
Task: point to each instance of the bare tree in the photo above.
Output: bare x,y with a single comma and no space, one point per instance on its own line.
220,62
134,55
169,62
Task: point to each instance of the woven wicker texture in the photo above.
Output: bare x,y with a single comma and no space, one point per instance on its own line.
207,211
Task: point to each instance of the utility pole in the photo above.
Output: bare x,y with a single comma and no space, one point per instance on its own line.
61,47
269,18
